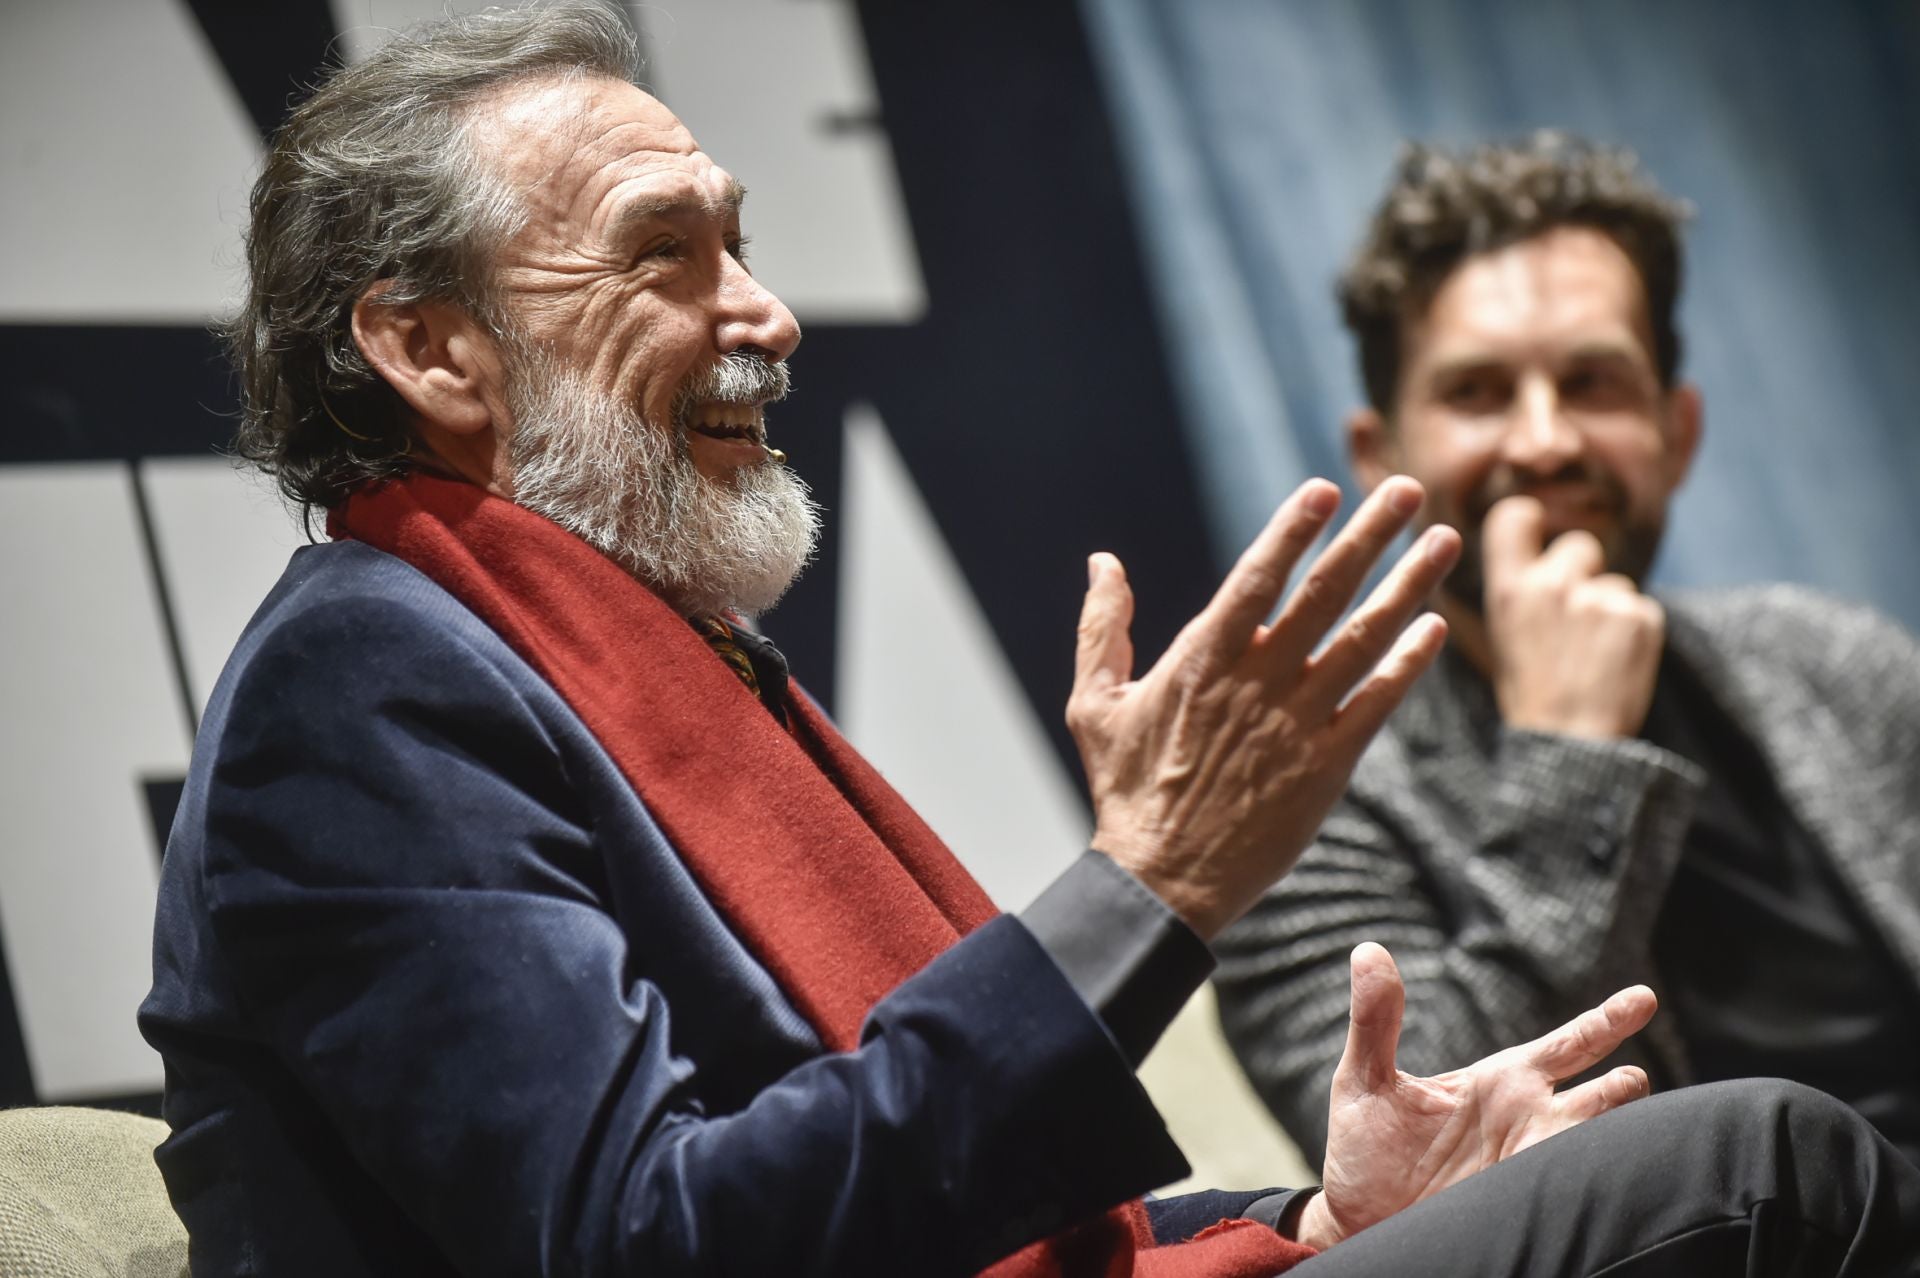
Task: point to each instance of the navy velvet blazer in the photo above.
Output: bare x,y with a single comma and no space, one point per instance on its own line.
436,996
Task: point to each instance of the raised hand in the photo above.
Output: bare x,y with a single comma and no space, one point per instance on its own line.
1575,649
1211,773
1393,1139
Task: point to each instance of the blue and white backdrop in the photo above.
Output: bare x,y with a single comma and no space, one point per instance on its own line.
1065,272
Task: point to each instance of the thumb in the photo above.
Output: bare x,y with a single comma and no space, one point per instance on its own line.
1512,535
1103,655
1373,1024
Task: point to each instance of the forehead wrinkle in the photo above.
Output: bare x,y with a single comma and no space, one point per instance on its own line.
547,127
646,208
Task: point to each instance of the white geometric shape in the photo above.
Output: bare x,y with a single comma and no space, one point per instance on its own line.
757,81
926,693
127,158
92,710
223,537
365,25
1212,1111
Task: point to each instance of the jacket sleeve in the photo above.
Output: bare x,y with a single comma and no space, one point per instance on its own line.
404,887
1508,910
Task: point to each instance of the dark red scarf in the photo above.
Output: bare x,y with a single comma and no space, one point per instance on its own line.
823,871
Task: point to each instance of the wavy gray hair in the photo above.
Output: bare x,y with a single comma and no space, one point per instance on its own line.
373,178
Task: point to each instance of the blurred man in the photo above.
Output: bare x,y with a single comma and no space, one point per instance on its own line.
1715,794
521,919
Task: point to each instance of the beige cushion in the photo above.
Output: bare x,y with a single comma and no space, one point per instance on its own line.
80,1197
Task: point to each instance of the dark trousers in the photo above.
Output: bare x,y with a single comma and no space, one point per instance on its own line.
1752,1178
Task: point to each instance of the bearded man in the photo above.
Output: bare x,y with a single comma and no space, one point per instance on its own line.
521,917
1714,794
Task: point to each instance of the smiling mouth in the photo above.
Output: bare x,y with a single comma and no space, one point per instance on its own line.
742,423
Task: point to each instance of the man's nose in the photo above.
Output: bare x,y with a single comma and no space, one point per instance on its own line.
1540,437
750,315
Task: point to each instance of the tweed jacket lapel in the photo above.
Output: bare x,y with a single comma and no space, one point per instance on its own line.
1853,797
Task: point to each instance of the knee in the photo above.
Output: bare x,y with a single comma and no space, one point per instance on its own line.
1763,1094
1759,1106
1753,1096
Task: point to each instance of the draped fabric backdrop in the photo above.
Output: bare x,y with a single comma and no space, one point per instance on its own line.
1258,133
1065,272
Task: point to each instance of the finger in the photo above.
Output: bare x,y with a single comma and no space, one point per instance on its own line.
1103,652
1592,1036
1618,582
1330,584
1511,537
1576,555
1373,1025
1376,625
1610,1091
1355,723
1222,630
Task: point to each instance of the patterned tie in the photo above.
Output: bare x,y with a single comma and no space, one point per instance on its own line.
754,660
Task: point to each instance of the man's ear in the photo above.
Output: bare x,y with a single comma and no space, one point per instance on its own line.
436,358
1686,419
1371,449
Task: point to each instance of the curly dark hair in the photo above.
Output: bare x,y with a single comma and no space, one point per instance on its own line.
373,179
1444,207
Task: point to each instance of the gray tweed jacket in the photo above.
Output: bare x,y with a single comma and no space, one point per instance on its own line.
1516,876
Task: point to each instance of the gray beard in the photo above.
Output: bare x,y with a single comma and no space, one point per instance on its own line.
628,488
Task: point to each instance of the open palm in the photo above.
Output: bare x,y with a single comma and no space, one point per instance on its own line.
1393,1139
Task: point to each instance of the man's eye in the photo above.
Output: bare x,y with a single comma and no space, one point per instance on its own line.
1597,388
738,248
665,250
1474,395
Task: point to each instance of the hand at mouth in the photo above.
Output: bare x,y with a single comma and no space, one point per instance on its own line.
1571,498
1578,506
1567,492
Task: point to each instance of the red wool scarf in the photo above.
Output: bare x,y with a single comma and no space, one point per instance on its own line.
823,871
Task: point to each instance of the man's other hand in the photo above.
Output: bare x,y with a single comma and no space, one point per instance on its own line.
1212,772
1393,1139
1575,649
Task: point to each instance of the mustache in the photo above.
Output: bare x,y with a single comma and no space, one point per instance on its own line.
735,378
1509,481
